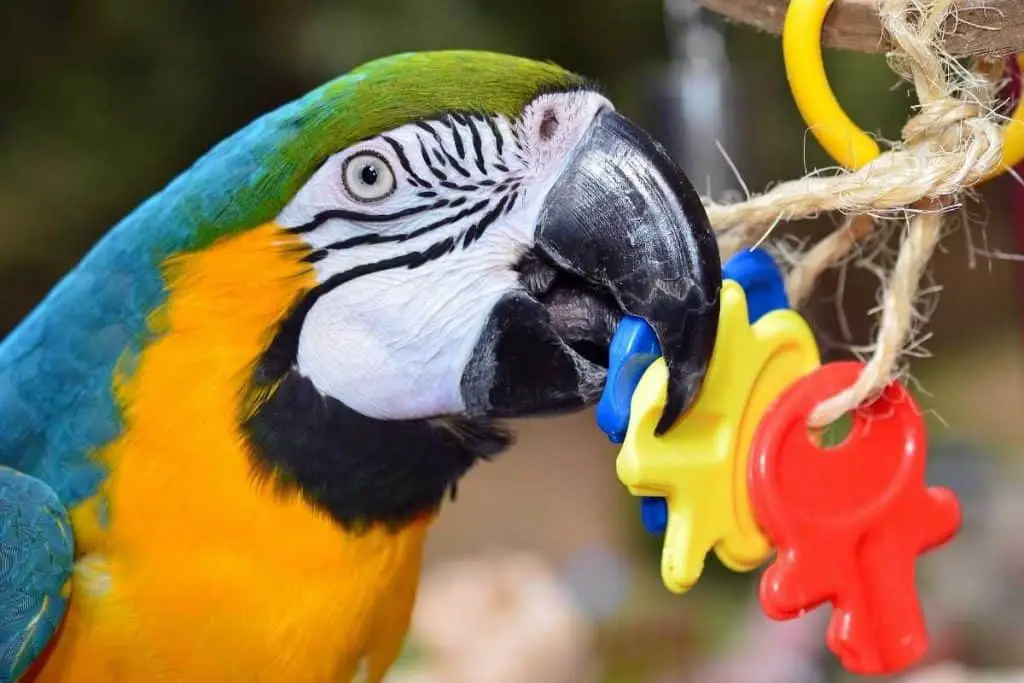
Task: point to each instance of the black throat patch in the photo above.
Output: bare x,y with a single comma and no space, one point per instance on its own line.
358,469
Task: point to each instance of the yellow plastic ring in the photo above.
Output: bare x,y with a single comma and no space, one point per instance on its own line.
838,134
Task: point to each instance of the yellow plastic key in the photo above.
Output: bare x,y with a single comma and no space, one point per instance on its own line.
700,464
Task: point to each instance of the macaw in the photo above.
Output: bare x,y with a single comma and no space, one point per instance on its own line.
225,433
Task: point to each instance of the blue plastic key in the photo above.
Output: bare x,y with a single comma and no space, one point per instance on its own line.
654,514
635,346
759,276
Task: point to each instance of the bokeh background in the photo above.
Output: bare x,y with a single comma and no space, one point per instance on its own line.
541,571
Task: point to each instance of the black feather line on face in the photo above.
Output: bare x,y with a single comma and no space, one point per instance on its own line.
457,166
345,214
460,148
478,147
477,231
429,127
404,161
430,165
460,188
499,141
377,238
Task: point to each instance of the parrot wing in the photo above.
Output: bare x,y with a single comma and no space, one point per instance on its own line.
36,558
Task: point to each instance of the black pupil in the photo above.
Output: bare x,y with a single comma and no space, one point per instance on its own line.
369,174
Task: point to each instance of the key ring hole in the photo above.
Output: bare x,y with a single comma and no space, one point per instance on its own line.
833,435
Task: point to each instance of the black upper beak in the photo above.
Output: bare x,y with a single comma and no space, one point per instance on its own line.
623,217
620,232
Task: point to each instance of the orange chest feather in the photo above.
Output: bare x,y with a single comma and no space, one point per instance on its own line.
201,572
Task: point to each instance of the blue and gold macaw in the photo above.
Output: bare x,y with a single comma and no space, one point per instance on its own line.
224,435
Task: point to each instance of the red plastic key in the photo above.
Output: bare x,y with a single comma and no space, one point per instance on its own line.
848,522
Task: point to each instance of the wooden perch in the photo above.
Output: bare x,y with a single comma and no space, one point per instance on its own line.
983,27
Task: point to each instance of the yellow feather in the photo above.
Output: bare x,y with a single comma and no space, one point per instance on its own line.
202,573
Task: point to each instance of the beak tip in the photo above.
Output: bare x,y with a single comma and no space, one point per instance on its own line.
689,355
684,384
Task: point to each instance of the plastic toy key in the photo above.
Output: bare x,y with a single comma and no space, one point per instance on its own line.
759,276
635,346
700,465
848,522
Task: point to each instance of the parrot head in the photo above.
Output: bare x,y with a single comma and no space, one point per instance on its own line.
364,283
478,224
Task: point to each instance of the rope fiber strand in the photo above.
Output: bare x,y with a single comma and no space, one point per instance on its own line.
953,142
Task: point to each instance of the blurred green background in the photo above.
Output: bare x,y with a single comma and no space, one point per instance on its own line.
104,101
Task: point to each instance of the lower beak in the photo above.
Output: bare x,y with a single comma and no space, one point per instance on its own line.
625,219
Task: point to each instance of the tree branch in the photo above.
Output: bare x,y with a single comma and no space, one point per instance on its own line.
982,27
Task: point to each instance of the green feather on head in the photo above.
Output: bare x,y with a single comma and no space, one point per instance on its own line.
371,99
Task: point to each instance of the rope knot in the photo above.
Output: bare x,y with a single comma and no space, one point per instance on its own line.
942,120
963,132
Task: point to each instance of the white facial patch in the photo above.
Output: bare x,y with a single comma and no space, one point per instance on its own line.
411,279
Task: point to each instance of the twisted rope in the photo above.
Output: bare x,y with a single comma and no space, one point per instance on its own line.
953,142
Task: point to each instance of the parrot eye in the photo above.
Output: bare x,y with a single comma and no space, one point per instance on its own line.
368,177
